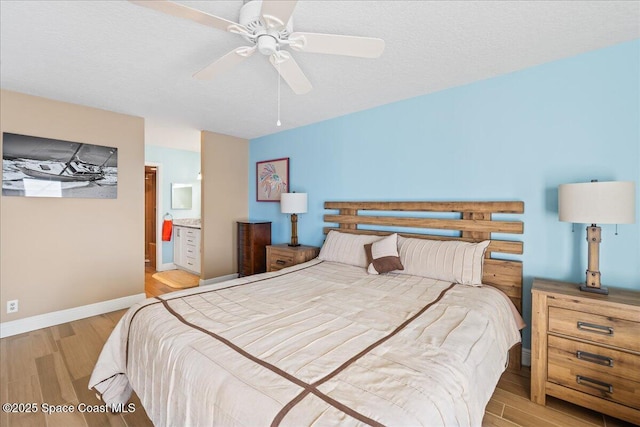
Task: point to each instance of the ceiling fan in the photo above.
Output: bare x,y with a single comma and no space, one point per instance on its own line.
268,27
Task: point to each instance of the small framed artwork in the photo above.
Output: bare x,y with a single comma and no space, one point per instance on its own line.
272,179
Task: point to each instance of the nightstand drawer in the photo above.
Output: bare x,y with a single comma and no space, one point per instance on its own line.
595,328
283,255
613,389
606,362
280,259
592,379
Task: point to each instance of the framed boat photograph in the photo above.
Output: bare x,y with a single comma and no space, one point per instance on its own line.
272,179
45,167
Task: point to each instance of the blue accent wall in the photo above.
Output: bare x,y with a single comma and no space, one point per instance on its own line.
178,166
513,137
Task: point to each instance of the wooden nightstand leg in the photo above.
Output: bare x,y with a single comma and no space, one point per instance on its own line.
539,326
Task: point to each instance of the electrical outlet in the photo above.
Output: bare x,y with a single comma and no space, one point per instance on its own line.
12,306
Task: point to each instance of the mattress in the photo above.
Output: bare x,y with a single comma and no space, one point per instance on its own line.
320,343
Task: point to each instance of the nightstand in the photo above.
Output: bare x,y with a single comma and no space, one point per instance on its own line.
283,255
586,348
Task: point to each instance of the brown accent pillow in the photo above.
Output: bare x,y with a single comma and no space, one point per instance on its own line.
382,256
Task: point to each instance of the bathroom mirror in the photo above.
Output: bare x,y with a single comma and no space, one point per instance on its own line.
181,196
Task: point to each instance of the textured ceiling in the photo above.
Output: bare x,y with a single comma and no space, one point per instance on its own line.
121,57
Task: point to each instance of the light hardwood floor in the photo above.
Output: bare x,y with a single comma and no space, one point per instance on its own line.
53,366
153,287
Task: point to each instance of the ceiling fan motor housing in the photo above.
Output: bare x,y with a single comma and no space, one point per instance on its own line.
267,44
267,39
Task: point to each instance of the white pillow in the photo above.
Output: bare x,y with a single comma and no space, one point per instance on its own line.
382,255
346,248
450,260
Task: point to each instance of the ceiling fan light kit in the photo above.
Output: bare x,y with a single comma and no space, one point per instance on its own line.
267,25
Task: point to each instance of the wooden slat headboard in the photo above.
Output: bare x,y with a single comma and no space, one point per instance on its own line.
471,220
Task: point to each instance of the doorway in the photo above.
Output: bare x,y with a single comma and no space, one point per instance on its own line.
150,215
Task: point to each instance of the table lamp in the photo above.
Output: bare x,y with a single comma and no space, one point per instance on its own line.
294,204
596,203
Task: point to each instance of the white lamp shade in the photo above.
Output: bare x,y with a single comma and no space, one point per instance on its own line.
597,202
293,203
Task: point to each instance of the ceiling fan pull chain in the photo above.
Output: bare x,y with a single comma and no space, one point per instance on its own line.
279,78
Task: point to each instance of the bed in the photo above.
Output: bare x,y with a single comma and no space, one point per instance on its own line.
329,342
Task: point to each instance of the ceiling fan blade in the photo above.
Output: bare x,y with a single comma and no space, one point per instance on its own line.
334,44
290,72
276,13
181,11
225,63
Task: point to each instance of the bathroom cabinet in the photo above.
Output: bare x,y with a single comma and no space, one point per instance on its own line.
186,248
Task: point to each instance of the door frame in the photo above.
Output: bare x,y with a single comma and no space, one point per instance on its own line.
159,214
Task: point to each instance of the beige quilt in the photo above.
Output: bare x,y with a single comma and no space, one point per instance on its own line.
320,344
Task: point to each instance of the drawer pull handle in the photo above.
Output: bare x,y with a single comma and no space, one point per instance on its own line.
594,358
598,329
589,382
280,262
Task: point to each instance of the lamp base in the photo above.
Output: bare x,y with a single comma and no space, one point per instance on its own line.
294,246
600,290
294,230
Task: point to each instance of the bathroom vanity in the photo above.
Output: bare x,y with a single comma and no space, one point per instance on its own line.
186,244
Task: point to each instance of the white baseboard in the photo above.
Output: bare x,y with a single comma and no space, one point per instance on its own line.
218,279
526,356
166,266
40,321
